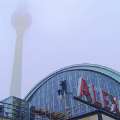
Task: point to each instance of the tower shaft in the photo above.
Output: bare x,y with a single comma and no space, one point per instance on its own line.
17,68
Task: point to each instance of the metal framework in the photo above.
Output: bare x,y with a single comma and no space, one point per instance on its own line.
92,67
14,108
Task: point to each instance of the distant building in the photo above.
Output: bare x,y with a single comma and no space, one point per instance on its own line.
79,92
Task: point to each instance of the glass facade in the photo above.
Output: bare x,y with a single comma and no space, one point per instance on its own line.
15,109
46,95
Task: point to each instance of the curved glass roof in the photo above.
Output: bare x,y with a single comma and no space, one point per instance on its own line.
97,68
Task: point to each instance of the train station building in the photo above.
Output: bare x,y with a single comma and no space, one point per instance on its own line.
78,92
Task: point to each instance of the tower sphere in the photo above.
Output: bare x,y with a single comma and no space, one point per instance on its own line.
21,20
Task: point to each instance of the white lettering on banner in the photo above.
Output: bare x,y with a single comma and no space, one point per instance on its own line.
98,97
79,86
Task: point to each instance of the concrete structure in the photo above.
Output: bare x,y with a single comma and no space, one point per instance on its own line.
21,21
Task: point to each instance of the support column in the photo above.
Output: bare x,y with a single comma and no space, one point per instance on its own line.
100,116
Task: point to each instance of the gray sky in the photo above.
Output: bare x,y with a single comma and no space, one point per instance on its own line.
63,32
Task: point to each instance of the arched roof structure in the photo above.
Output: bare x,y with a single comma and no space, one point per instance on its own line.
91,67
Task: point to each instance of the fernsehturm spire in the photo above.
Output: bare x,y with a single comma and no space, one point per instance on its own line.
21,21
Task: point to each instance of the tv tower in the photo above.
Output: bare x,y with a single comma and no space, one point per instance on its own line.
21,21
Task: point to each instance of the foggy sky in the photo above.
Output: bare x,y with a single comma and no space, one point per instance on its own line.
63,32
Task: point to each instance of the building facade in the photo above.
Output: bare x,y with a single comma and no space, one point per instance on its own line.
101,92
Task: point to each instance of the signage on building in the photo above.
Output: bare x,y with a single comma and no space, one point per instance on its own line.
97,96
